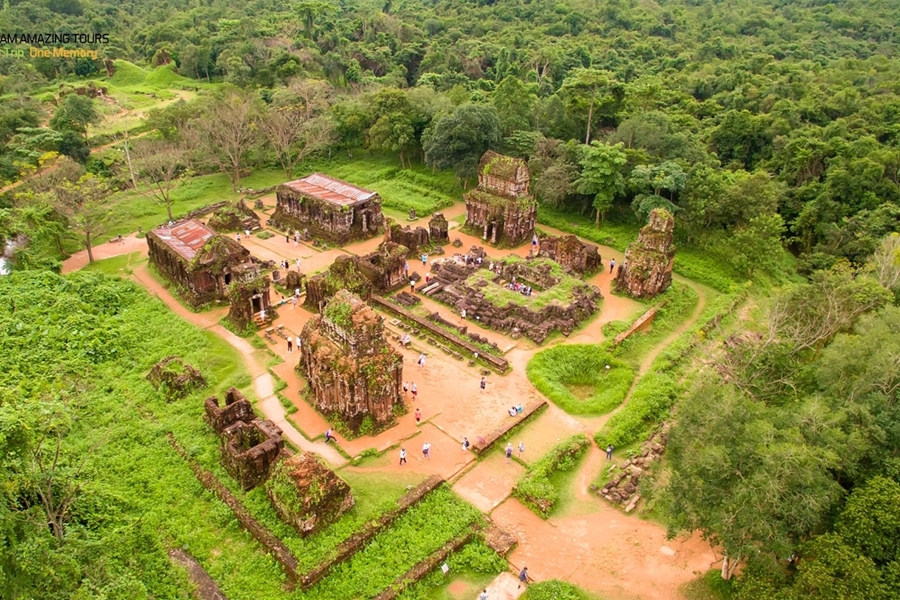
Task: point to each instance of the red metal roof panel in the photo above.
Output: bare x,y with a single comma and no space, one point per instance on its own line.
335,191
185,237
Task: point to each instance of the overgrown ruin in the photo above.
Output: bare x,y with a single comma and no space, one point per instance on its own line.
558,302
352,370
381,271
329,208
235,216
500,209
196,259
248,295
306,494
647,270
573,254
250,446
175,378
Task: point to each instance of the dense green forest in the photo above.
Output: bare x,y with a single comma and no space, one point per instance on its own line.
764,121
770,128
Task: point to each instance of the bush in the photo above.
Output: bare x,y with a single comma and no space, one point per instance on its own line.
555,370
264,234
535,489
651,399
554,590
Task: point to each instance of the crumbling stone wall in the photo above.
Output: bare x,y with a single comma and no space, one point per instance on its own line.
414,240
622,487
573,254
438,229
175,378
647,270
237,408
250,450
381,271
250,446
343,274
351,369
236,216
307,494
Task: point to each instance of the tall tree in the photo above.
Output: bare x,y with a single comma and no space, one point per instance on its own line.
515,104
158,164
75,113
460,138
601,175
227,131
295,125
595,92
393,128
82,203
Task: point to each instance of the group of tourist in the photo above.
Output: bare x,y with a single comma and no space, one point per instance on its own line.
520,287
286,264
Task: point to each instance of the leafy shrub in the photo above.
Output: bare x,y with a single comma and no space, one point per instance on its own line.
535,489
264,234
651,399
474,557
554,590
552,371
614,328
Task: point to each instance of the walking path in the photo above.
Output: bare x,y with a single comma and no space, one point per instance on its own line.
593,544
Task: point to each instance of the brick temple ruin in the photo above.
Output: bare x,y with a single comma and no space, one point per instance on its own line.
573,254
419,239
175,378
250,446
234,216
306,494
500,209
647,270
329,208
196,259
248,295
351,368
381,271
462,284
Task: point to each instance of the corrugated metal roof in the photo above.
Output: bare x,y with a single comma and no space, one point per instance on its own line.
185,237
335,191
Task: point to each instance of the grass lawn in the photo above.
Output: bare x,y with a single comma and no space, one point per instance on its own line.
117,265
575,378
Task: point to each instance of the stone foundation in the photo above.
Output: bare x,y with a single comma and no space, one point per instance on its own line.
573,254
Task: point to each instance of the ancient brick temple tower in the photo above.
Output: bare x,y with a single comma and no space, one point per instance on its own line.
647,270
351,368
500,208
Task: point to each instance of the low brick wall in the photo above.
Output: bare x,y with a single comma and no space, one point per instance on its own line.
276,547
645,318
509,424
501,364
358,540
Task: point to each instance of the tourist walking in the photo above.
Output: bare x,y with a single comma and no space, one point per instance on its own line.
612,265
402,456
465,443
521,449
414,390
424,259
296,238
329,437
239,236
523,576
483,595
418,415
290,345
462,314
294,300
287,238
405,388
508,451
298,264
609,450
421,360
483,383
412,286
426,450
